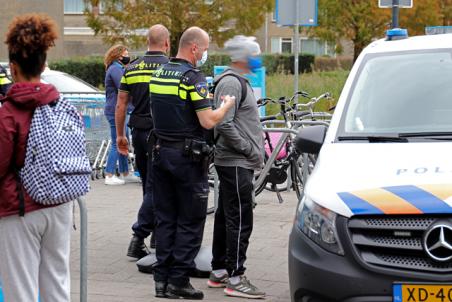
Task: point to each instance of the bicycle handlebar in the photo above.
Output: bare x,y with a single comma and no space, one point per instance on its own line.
269,117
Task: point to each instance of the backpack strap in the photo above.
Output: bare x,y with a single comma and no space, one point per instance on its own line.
20,193
243,85
244,92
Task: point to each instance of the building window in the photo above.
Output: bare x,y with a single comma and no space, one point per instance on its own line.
286,45
78,7
307,46
74,6
316,47
275,45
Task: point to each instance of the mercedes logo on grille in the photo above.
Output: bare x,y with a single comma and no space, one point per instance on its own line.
438,242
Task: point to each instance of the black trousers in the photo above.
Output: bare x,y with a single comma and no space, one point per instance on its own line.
180,199
233,219
143,151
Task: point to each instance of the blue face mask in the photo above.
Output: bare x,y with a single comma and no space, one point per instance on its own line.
254,63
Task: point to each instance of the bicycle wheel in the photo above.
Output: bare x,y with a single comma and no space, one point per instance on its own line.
211,200
297,179
211,181
261,187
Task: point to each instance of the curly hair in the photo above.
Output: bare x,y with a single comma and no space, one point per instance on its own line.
29,37
113,54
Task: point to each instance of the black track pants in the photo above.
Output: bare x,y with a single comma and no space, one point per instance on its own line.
233,219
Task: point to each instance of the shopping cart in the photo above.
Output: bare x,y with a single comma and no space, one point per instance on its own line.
91,108
97,131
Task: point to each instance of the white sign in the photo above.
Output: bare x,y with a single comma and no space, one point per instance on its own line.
389,3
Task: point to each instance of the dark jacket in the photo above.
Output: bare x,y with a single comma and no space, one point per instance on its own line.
16,113
5,82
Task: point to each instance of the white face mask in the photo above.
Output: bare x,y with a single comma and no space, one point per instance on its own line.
203,60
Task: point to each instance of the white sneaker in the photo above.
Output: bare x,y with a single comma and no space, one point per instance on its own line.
131,178
113,181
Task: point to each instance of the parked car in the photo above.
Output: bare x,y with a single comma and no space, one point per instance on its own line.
375,221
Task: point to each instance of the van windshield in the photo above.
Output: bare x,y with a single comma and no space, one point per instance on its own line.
401,93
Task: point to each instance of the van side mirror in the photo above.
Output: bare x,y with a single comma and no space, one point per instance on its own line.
310,139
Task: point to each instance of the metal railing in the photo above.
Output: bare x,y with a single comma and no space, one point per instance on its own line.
83,250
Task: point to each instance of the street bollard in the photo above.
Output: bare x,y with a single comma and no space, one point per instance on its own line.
83,250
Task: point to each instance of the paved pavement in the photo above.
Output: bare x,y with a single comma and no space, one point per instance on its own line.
114,277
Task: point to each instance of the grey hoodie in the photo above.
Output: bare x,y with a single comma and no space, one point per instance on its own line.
240,137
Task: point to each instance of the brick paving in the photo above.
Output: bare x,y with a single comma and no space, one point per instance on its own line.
113,277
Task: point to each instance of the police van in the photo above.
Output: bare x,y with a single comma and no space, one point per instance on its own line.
375,221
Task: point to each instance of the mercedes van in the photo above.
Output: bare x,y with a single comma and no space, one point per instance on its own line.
375,221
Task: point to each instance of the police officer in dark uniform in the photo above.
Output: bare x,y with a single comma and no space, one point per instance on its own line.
134,89
5,82
181,111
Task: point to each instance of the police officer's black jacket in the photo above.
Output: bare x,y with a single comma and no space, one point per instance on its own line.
178,91
135,82
5,82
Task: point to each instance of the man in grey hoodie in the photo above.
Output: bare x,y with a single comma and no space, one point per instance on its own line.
239,152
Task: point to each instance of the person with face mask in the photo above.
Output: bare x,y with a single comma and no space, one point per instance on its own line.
238,153
134,89
115,60
181,111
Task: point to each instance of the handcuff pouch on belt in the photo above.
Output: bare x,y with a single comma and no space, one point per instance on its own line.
197,150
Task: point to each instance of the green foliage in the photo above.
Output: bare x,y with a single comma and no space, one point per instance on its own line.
89,69
358,21
331,64
284,63
361,21
445,7
222,19
315,83
274,63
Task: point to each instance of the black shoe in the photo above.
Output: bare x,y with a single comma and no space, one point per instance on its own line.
184,292
137,248
152,241
160,289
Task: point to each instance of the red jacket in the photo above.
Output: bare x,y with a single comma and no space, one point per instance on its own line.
16,113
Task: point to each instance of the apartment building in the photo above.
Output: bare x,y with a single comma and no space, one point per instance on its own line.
11,8
77,39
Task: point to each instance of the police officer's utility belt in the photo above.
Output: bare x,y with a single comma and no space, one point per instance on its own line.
197,150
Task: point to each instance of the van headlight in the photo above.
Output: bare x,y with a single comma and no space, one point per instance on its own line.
319,224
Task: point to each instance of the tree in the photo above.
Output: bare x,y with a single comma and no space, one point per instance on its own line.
126,20
446,12
424,13
361,21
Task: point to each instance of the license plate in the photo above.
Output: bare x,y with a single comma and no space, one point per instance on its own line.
422,292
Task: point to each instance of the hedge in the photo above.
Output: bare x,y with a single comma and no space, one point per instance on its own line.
91,69
331,64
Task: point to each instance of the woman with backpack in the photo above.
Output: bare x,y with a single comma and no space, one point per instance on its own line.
115,61
34,246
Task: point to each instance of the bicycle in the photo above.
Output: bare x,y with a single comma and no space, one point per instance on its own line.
282,158
286,155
